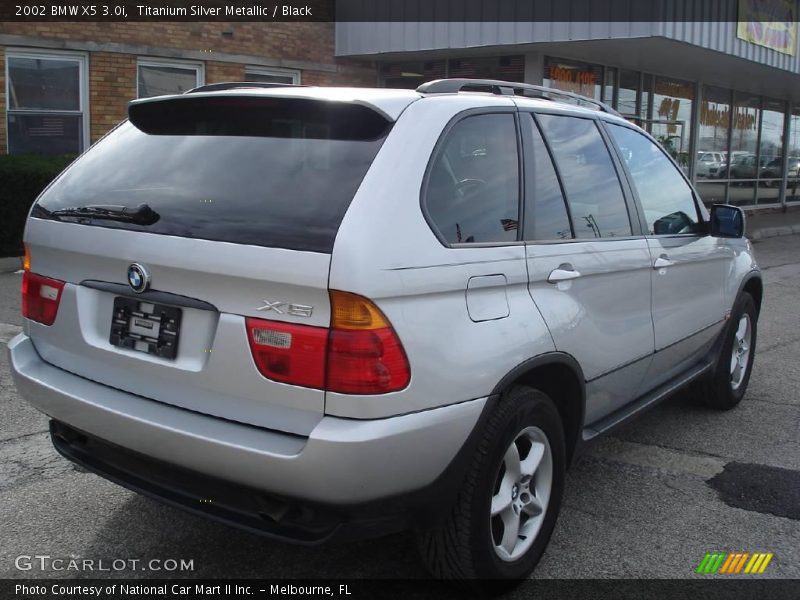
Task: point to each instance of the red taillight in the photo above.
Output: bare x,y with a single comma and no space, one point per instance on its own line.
359,354
365,355
288,353
366,362
40,297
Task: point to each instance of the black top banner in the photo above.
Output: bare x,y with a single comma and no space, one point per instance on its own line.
777,11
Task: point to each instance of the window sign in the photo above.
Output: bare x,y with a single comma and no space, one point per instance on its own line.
574,77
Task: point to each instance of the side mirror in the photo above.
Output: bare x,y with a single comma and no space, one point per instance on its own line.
726,221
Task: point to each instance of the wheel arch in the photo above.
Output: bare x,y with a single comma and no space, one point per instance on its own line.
753,285
558,375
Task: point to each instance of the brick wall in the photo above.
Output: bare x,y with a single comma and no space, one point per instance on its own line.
112,83
297,41
217,72
112,75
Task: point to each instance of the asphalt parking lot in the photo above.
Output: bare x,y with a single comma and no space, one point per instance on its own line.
648,502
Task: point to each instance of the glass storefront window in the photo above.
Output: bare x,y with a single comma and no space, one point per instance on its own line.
672,117
711,158
410,75
610,87
793,152
740,153
628,94
771,151
647,93
571,76
743,160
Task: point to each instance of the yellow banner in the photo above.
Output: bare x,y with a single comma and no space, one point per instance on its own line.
768,23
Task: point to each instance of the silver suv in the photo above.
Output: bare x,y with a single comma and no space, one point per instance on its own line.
321,313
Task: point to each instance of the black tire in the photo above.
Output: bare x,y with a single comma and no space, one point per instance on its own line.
462,547
717,390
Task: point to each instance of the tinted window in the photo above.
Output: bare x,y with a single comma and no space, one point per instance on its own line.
267,172
160,80
590,180
473,187
43,84
545,211
665,196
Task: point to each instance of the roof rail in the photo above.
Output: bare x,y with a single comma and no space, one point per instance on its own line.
236,85
509,88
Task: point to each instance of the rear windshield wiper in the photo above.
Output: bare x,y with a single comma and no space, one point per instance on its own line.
140,215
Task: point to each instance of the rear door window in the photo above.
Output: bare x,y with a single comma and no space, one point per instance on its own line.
593,189
264,171
546,215
472,194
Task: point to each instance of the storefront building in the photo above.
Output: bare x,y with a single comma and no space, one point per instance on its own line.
722,100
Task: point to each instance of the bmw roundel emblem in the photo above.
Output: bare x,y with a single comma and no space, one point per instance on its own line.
138,278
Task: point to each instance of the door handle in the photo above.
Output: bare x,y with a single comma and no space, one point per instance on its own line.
562,274
662,262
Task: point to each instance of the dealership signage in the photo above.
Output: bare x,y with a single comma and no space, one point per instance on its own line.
712,115
768,23
574,80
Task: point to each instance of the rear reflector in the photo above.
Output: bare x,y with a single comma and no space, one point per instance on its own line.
287,352
40,297
360,353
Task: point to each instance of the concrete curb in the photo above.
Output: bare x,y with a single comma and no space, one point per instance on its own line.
768,232
9,265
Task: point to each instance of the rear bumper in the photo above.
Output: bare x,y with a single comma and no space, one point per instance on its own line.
343,462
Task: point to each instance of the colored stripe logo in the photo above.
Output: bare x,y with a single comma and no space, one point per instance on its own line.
734,563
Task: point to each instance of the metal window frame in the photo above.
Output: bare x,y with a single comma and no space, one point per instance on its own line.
82,58
146,61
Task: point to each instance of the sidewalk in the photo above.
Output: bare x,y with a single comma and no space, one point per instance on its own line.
767,225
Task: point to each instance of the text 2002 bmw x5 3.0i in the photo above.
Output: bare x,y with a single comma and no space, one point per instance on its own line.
345,312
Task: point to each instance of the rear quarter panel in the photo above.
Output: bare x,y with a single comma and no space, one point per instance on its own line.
386,251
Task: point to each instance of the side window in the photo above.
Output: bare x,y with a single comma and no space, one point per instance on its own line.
473,187
666,198
590,180
545,211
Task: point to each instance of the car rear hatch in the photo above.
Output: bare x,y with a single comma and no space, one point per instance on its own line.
223,206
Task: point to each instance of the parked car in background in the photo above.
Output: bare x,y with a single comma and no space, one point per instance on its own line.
728,158
748,166
708,163
772,172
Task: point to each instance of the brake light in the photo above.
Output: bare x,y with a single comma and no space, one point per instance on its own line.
359,354
40,297
365,356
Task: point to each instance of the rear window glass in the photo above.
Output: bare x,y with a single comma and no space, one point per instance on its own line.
263,171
